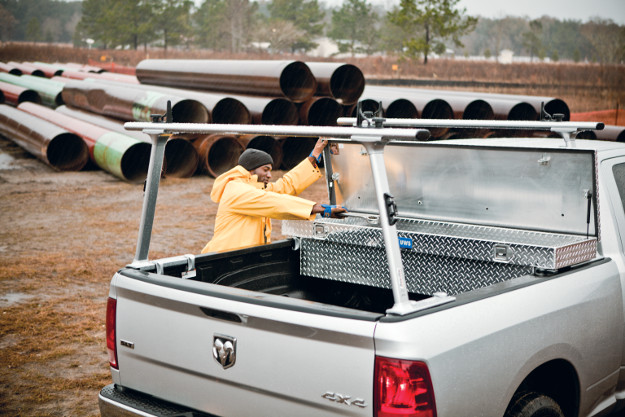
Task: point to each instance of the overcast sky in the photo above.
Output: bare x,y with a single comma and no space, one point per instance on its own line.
561,9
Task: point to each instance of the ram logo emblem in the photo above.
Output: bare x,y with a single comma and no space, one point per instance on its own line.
225,350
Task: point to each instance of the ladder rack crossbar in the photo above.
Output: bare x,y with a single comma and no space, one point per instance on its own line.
482,124
340,132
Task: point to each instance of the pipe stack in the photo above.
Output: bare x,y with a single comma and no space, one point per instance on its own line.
181,158
50,91
274,92
53,145
128,103
254,91
115,153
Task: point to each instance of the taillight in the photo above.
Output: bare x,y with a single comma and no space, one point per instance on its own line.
402,388
111,310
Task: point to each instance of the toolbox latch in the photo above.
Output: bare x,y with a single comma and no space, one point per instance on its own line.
502,253
320,231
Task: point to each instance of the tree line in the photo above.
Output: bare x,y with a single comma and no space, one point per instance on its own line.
413,29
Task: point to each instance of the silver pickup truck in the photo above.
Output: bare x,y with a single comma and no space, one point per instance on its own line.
469,278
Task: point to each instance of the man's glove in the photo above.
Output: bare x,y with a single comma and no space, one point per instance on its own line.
318,159
327,209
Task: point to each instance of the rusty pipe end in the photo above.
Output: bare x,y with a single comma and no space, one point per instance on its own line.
135,162
218,153
478,110
280,111
367,104
522,111
29,95
231,111
182,158
556,106
347,84
295,149
297,82
402,109
67,152
190,111
320,111
437,109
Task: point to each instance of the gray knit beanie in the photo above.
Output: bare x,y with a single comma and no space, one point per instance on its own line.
251,159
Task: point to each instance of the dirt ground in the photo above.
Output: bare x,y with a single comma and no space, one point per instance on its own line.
62,237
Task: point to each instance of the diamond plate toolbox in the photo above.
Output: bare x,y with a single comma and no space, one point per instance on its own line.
437,256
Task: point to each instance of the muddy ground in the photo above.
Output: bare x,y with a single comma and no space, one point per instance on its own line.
62,237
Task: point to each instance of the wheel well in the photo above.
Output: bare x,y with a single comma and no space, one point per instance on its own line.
557,379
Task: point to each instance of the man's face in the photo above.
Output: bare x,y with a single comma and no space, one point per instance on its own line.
264,173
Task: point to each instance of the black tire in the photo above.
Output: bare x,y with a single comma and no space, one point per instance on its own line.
533,404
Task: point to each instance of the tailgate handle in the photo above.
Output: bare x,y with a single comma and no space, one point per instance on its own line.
223,315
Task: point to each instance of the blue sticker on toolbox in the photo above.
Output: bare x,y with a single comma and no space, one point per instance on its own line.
405,242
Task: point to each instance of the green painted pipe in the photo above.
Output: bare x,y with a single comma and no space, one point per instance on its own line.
129,103
116,153
50,91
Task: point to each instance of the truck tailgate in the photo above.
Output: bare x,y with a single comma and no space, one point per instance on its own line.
285,361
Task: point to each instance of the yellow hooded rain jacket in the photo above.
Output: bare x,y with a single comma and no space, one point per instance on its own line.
246,206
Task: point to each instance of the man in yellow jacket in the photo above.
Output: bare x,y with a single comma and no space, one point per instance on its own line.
248,201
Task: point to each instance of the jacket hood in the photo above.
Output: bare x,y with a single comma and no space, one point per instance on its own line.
237,173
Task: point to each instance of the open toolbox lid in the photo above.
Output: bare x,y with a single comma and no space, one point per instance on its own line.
494,183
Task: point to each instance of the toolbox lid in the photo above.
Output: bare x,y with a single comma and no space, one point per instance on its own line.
513,183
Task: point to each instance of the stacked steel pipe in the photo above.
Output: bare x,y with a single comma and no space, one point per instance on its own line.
57,147
262,92
291,79
274,92
50,91
218,153
116,153
128,103
14,94
181,157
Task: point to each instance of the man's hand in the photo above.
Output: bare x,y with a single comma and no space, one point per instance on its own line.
318,150
328,210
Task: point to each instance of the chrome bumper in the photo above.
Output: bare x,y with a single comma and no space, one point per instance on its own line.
115,401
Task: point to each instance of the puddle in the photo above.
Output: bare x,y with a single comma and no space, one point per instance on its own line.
6,161
9,299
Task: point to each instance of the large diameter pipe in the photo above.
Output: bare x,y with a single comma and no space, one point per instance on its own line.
128,103
50,91
9,69
115,153
265,143
181,157
222,108
291,79
343,82
295,149
218,153
27,69
426,106
320,111
14,94
269,110
609,133
53,145
552,105
48,70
